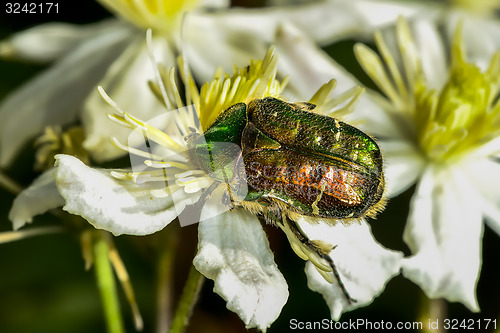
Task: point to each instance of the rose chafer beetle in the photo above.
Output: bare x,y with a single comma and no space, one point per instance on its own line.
296,163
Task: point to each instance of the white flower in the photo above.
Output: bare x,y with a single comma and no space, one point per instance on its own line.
112,54
42,187
449,124
324,21
438,125
233,249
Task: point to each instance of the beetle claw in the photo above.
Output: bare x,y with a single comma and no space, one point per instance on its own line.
320,249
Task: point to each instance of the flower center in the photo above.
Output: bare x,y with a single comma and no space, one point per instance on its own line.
161,15
258,80
482,6
446,123
54,141
462,115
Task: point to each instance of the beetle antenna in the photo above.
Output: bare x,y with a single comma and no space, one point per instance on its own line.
192,212
325,256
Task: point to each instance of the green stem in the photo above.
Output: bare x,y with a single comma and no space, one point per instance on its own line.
10,236
166,258
433,310
188,299
106,283
10,185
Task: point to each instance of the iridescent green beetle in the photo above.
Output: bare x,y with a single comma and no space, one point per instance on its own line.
296,162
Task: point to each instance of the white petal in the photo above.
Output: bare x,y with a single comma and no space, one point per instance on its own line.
483,173
309,68
370,15
39,197
234,252
48,42
118,206
432,53
363,264
126,82
307,65
240,34
403,164
444,232
329,21
213,3
491,210
478,50
55,96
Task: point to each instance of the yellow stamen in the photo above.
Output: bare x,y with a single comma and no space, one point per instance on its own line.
461,116
54,141
255,81
483,7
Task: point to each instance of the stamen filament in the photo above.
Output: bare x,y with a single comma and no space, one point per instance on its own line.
392,66
108,100
372,64
156,72
134,151
155,134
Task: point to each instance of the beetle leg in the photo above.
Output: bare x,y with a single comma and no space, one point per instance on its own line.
226,198
321,251
273,217
194,213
